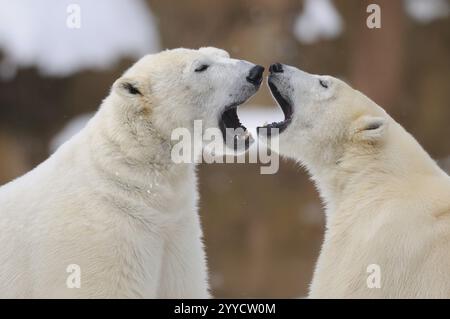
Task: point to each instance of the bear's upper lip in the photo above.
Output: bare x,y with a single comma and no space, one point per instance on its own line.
236,133
286,107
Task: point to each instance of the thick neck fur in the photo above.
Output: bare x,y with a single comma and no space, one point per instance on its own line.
377,170
132,161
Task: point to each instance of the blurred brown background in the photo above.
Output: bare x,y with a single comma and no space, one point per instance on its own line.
262,232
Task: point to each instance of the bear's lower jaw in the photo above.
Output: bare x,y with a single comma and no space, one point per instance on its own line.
286,107
235,135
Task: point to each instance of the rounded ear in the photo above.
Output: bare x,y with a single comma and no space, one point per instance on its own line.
370,129
127,87
215,51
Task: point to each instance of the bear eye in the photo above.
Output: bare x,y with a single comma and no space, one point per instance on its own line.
202,68
323,84
131,89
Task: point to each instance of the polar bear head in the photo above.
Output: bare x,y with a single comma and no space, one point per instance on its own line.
174,88
345,140
325,119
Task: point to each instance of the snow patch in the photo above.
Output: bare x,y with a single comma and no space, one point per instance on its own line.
35,33
426,11
319,20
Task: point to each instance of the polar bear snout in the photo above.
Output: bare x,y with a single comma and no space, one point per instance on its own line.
280,87
276,68
255,75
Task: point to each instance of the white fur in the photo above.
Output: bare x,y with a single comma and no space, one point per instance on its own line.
111,200
387,202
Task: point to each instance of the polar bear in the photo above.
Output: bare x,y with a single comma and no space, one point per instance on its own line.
109,215
387,202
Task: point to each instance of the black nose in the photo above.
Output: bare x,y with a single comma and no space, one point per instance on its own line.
276,68
255,75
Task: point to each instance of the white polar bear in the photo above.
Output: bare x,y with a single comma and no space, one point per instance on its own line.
110,201
387,202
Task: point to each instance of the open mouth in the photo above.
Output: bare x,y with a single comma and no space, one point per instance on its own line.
235,134
286,107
